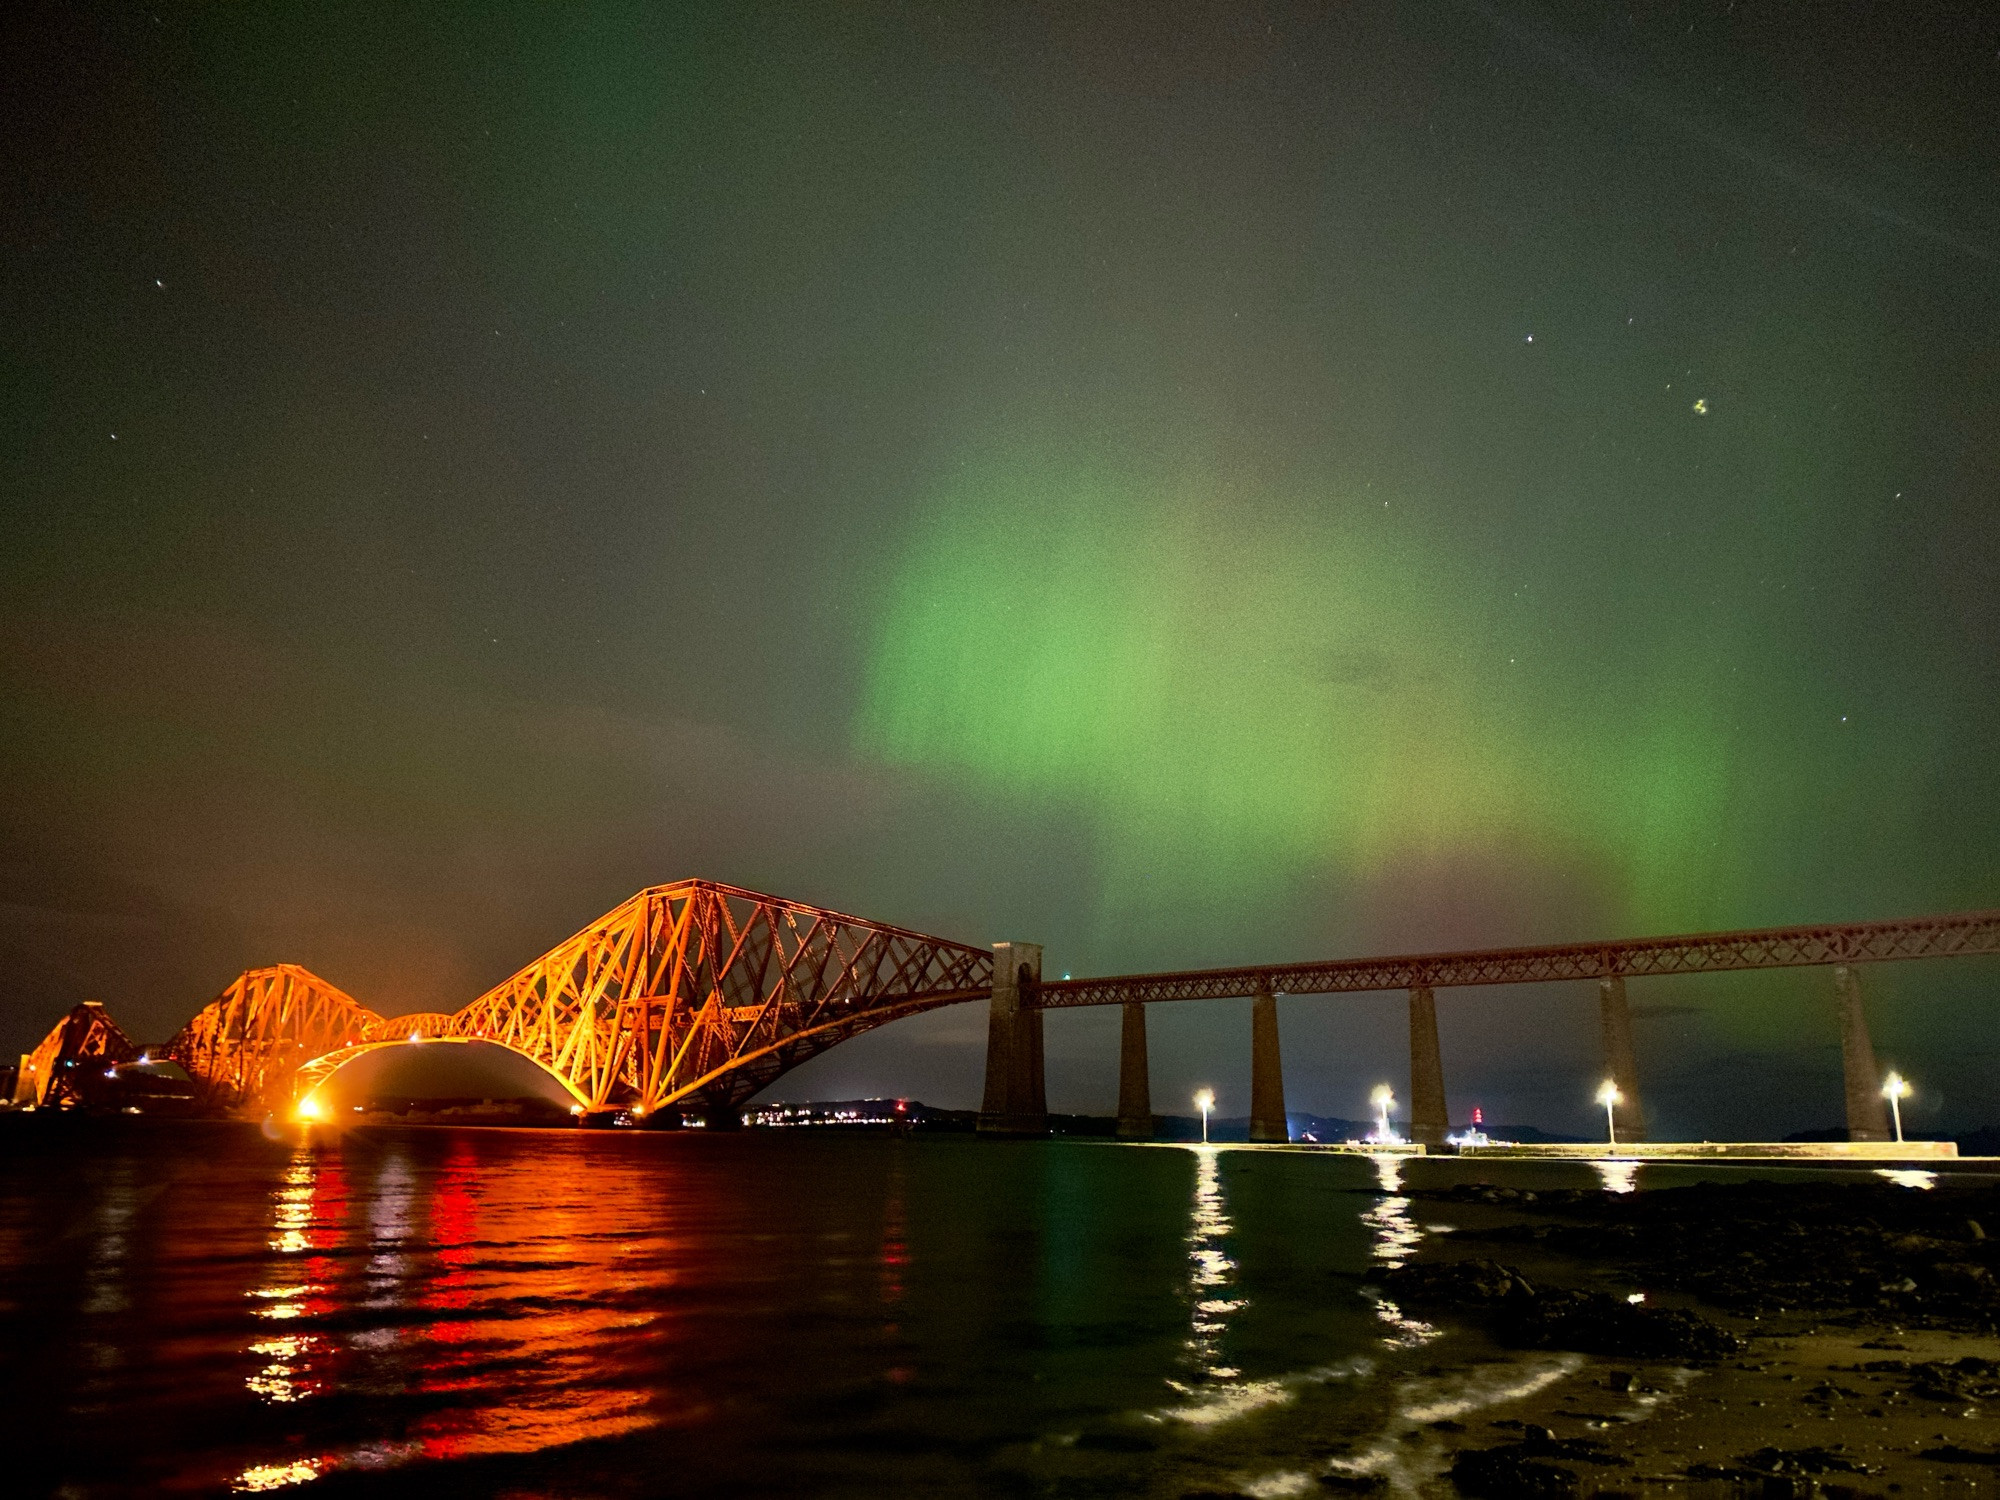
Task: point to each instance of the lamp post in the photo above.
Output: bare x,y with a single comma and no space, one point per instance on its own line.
1384,1099
1895,1088
1204,1101
1609,1096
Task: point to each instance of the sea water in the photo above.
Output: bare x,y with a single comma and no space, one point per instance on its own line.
206,1309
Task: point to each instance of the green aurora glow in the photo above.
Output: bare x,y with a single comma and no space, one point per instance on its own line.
1233,703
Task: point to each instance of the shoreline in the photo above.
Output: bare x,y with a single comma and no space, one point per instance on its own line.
1873,1387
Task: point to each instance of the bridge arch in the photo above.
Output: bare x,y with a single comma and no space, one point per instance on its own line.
312,1078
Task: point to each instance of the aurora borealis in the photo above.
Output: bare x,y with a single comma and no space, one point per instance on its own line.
1178,484
1233,702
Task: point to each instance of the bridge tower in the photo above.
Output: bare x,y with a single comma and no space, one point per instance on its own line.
1430,1120
1867,1116
1621,1063
1267,1070
1016,1101
1135,1076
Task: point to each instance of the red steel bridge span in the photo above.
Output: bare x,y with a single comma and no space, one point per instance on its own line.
693,997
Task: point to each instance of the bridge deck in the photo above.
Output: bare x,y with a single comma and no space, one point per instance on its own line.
1960,933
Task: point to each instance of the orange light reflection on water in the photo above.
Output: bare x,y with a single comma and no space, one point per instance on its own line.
441,1281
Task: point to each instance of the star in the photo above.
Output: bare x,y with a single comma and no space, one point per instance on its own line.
1701,407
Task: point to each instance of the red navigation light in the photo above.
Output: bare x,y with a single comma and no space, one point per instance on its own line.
1478,1115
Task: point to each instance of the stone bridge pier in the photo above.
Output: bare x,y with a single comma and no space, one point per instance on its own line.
1135,1076
1016,1101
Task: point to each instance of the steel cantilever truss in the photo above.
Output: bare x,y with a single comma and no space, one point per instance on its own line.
701,994
244,1047
1961,933
693,994
48,1074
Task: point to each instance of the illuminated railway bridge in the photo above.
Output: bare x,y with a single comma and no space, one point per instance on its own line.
692,997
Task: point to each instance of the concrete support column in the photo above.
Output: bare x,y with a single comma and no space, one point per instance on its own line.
1016,1101
1267,1072
1429,1120
1135,1081
1867,1115
1621,1063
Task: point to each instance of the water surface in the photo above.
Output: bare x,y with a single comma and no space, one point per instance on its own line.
571,1313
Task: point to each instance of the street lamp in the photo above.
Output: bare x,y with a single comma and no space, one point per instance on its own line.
1204,1101
1609,1096
1384,1098
1896,1089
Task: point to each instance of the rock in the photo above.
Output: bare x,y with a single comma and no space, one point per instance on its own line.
1590,1322
1456,1283
1951,1453
1597,1323
1508,1473
1801,1461
1968,1379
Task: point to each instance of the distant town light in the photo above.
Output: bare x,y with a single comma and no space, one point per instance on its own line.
310,1107
1204,1101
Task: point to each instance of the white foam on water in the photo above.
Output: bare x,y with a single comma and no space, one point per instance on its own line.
1210,1406
1475,1391
1404,1454
1278,1486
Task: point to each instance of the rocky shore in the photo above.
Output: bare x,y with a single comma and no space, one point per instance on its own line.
1765,1338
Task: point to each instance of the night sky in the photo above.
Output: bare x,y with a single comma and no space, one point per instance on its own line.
1185,484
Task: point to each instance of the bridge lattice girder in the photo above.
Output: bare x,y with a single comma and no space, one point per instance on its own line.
1955,935
694,994
701,994
87,1034
244,1048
